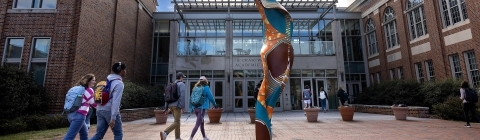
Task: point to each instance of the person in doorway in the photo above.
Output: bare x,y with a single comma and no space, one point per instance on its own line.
467,106
77,118
307,96
323,99
108,115
342,96
176,108
200,111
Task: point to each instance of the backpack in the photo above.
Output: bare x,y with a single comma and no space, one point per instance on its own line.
471,96
171,93
73,99
102,93
306,95
197,98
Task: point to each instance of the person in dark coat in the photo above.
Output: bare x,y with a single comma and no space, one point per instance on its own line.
342,95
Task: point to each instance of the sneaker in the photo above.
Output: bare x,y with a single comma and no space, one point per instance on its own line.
467,125
178,139
163,135
206,138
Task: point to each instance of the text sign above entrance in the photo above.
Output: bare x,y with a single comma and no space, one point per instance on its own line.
247,63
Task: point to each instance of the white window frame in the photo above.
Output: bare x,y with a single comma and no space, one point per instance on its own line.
412,8
400,72
371,37
392,74
39,60
390,22
372,79
14,5
378,77
12,60
473,79
430,70
461,9
419,72
454,64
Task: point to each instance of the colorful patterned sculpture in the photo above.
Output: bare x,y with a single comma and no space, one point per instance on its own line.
277,60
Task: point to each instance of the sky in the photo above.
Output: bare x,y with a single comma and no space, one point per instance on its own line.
167,5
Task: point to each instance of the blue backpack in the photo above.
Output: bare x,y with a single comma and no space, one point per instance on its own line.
73,99
197,98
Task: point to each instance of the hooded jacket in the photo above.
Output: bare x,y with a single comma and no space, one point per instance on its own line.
116,91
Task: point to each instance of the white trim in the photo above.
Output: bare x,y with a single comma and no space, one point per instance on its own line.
458,37
420,38
372,56
393,48
458,24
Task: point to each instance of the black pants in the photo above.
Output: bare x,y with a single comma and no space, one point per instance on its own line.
470,107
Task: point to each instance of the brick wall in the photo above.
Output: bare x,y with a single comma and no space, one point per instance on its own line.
439,52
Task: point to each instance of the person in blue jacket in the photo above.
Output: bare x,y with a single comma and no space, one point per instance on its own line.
200,111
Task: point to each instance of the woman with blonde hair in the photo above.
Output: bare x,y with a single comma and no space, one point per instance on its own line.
77,118
200,110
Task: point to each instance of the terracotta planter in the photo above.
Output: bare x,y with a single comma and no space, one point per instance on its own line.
400,112
214,115
312,114
251,112
160,116
347,112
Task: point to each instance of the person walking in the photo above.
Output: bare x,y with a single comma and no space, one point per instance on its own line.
323,99
306,96
200,111
176,108
77,118
467,106
108,115
342,95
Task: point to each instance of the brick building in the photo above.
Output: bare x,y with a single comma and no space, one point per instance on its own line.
61,40
421,39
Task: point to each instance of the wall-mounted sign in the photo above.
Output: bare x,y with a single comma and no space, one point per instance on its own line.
247,63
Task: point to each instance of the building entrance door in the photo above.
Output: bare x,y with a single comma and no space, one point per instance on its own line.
244,94
319,84
216,87
307,82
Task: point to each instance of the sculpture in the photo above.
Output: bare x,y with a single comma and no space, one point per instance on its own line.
277,60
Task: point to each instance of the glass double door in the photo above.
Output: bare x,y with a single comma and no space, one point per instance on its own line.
216,87
244,90
315,85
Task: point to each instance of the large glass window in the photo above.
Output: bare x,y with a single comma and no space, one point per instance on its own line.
39,59
201,37
430,70
455,66
160,52
453,11
247,37
416,18
390,25
371,38
29,4
13,51
472,68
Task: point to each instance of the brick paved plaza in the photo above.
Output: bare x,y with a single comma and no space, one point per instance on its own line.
292,125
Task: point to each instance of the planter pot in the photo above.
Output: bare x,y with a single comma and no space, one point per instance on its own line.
312,114
400,112
251,112
346,112
214,115
160,116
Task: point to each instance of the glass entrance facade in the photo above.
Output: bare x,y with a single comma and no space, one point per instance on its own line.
226,47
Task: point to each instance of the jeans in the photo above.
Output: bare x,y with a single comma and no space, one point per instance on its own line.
77,125
470,107
87,119
324,104
177,113
200,113
103,119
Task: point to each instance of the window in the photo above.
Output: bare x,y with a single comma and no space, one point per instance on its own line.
455,66
472,68
419,70
371,38
453,11
39,59
30,4
378,77
392,74
430,70
371,79
416,18
390,28
400,73
13,52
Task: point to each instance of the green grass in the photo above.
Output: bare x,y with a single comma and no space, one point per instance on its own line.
50,134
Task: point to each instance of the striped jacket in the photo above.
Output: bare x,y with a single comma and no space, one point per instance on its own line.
87,101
